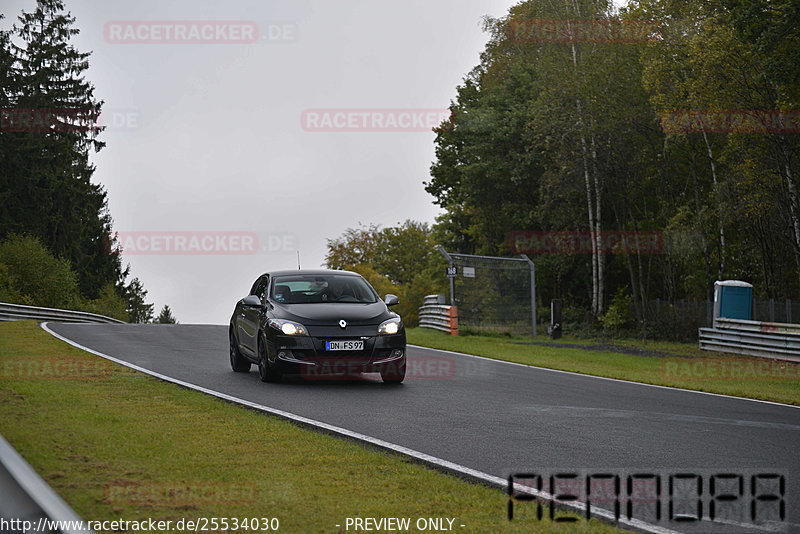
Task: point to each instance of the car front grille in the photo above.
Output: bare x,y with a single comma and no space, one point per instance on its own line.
349,332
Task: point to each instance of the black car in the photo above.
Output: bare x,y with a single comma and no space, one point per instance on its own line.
317,323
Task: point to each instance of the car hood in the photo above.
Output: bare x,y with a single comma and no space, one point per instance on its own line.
332,313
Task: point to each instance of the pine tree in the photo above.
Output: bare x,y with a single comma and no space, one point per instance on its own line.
166,317
9,91
46,186
138,310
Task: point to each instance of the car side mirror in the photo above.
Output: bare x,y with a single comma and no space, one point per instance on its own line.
252,301
391,300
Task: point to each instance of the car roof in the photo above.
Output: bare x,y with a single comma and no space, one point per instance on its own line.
309,271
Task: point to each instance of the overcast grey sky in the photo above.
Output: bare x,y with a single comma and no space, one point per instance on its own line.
207,138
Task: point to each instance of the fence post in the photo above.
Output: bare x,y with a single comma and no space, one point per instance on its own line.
555,318
452,278
788,310
533,293
772,310
754,318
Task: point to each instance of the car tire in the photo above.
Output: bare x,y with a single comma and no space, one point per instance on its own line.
394,373
238,362
266,372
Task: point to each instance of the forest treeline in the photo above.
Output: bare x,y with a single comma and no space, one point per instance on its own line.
56,238
670,118
636,156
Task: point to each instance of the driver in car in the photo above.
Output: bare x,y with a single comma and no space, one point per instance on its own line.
335,289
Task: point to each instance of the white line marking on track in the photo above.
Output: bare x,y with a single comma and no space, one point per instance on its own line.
485,358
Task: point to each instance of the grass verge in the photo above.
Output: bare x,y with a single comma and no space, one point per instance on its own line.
118,444
668,364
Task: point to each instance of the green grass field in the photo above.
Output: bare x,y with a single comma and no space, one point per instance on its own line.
669,364
118,444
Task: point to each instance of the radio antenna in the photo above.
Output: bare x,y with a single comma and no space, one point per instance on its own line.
298,260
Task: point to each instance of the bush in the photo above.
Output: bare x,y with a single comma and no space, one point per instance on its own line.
619,313
33,276
109,303
7,291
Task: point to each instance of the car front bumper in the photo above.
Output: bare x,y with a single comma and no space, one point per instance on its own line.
306,355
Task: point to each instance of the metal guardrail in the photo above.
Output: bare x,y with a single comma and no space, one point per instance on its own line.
18,312
435,314
753,338
757,326
27,497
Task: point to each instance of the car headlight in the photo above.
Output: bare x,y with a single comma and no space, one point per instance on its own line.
290,328
390,326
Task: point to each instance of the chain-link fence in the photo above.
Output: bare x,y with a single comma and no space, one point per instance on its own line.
776,311
701,312
680,319
493,294
496,295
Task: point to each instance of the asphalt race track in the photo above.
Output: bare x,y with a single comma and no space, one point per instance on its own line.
500,418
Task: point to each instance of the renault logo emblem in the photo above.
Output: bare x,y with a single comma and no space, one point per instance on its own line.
343,323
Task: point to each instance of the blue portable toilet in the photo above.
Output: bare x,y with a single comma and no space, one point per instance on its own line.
733,299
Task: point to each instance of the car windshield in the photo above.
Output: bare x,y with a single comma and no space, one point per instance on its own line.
316,289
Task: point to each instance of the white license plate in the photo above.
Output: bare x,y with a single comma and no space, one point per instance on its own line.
344,345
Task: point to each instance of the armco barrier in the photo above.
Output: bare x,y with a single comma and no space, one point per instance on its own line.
18,312
27,497
754,338
434,314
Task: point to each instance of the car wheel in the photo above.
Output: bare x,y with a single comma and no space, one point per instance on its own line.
238,363
394,373
266,372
